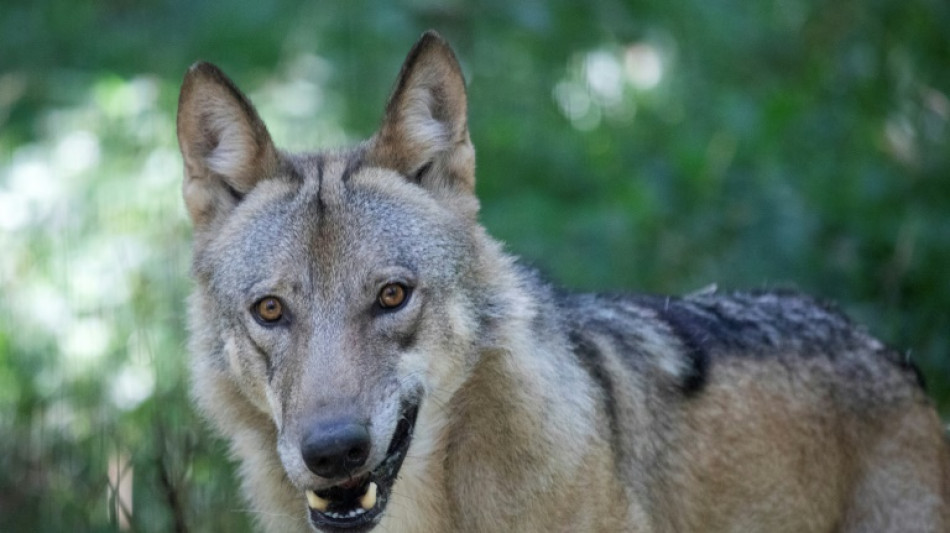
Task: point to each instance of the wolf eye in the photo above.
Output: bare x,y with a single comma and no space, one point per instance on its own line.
392,295
268,310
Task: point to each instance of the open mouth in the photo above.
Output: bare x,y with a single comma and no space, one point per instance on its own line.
357,504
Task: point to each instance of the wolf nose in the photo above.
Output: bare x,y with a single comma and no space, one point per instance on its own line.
336,448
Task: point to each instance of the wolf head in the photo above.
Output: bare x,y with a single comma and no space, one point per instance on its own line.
332,287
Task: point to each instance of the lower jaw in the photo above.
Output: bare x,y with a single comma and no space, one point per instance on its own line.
359,524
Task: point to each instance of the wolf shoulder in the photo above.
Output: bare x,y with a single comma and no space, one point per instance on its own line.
783,337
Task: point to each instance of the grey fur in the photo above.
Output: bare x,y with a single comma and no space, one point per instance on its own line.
538,410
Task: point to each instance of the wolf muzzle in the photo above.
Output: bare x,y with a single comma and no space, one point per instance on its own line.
338,449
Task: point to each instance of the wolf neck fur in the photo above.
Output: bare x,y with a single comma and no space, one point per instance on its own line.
503,404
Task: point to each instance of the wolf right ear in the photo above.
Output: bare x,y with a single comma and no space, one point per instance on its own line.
225,145
424,133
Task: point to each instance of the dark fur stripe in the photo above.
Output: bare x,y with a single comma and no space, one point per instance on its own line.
291,172
693,338
693,330
237,196
268,364
321,161
354,162
592,360
419,174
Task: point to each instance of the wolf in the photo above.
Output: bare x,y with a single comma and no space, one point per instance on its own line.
376,360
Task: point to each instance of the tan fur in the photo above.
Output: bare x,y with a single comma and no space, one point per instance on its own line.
539,412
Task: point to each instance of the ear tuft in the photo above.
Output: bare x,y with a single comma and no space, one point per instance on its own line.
225,145
424,131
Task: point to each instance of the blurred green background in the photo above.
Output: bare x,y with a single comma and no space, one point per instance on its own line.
644,145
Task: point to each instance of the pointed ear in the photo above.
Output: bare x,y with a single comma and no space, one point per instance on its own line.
424,133
224,144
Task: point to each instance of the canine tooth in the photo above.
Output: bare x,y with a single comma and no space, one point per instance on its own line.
368,500
317,502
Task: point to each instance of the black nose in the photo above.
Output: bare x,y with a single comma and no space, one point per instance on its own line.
335,448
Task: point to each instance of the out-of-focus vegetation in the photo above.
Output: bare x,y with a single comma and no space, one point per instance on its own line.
643,145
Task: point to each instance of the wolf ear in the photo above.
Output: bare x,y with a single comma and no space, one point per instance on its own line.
224,143
424,132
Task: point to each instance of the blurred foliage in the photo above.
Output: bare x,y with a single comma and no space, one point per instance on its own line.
642,144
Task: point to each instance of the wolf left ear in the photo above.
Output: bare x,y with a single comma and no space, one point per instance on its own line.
424,132
225,145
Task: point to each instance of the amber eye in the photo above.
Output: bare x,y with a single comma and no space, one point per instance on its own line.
269,309
392,295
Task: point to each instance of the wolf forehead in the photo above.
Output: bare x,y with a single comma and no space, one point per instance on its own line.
331,210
